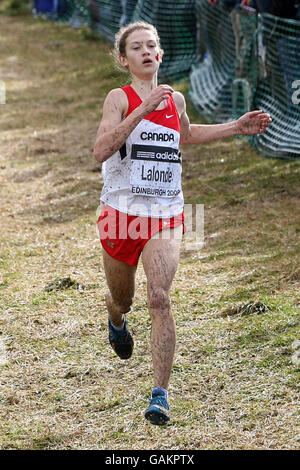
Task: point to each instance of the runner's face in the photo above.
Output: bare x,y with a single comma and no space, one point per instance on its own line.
142,53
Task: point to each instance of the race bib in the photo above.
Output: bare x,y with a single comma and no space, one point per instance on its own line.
155,170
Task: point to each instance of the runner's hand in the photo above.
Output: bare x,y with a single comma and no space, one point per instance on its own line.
157,95
255,122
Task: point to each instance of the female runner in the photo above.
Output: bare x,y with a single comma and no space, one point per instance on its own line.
138,143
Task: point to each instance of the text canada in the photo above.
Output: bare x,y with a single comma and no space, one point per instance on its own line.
160,137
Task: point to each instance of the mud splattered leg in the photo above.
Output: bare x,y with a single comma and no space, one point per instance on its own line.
160,260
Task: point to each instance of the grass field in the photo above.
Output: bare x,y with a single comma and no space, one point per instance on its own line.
235,380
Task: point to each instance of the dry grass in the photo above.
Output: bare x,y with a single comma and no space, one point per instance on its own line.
236,302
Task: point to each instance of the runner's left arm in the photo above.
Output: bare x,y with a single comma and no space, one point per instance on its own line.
254,122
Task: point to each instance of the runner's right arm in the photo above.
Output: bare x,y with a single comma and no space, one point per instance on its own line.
113,131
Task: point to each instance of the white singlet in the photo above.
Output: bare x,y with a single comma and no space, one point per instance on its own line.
144,177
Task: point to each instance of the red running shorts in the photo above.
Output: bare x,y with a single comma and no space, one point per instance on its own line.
124,236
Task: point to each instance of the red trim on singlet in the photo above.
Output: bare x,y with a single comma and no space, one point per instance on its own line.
167,117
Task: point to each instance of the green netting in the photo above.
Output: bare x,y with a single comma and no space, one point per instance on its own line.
176,24
250,62
236,61
107,17
177,28
275,93
72,12
65,10
80,15
103,16
222,83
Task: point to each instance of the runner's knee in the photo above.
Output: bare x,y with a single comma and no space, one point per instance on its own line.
158,299
123,305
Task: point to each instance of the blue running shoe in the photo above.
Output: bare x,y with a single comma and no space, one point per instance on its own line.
158,411
121,341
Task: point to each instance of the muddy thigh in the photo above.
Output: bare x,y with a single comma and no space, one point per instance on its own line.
160,258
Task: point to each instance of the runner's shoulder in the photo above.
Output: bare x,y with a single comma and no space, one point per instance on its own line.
117,98
179,101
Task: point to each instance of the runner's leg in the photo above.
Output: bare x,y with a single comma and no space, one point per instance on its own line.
160,260
121,282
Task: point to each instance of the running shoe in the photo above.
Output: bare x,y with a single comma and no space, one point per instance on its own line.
121,341
158,411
